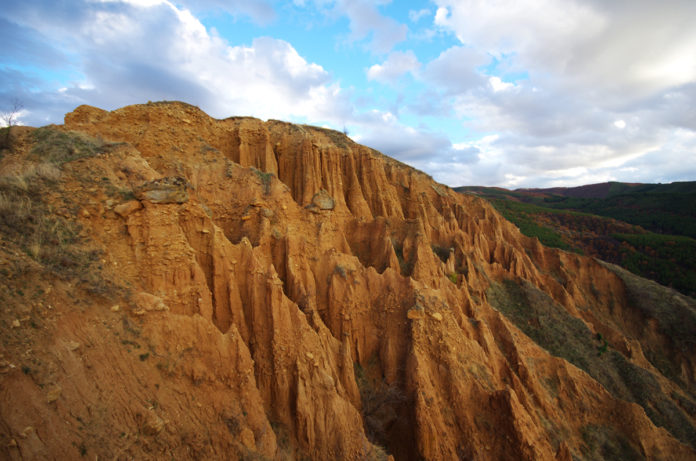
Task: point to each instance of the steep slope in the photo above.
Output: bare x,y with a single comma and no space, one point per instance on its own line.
254,290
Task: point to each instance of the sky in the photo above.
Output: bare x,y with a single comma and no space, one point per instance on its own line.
509,93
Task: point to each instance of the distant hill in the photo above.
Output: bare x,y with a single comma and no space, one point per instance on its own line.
647,228
601,190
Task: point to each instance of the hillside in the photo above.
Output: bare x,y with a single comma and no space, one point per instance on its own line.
646,228
181,287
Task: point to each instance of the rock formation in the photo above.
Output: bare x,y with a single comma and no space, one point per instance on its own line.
265,290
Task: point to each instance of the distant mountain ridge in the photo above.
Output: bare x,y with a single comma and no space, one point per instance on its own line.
599,190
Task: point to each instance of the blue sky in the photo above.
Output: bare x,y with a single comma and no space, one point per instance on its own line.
529,93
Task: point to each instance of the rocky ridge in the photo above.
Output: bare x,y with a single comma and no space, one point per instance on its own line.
278,291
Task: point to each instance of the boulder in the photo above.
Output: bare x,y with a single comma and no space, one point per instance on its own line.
172,189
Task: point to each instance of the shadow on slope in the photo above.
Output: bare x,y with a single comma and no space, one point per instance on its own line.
568,337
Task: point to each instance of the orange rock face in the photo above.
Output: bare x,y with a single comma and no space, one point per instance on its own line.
289,294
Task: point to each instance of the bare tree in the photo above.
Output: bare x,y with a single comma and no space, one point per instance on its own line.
10,119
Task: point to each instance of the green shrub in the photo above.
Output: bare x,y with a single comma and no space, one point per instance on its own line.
265,178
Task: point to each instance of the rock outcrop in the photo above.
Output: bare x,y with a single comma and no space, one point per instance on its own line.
286,293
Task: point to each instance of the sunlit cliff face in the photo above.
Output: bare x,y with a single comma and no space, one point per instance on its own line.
279,291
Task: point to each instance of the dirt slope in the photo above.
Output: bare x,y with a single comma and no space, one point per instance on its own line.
239,289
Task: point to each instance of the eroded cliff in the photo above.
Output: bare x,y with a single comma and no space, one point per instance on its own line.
264,290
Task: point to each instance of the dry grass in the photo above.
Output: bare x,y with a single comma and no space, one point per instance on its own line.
27,220
52,145
20,207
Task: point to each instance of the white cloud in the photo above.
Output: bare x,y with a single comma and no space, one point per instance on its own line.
185,61
140,3
366,20
455,69
416,146
634,47
182,60
397,64
596,86
498,85
441,16
417,15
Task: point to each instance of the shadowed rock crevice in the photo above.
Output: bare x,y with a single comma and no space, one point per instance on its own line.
371,243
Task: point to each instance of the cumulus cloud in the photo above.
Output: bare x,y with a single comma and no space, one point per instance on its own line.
671,161
397,64
599,84
182,60
455,69
635,47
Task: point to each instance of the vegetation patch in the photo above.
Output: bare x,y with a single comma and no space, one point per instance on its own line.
5,140
667,259
439,190
565,336
675,315
523,216
663,208
58,147
603,442
265,178
51,240
205,148
341,271
405,266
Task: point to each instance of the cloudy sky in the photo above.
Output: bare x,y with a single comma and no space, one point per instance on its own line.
510,93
